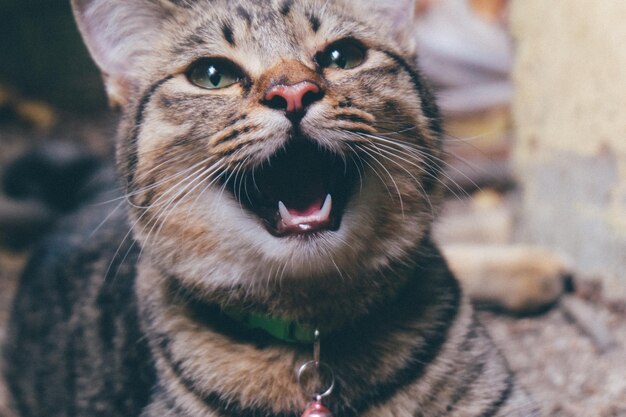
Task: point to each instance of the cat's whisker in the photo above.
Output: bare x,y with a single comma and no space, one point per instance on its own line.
245,186
268,280
232,171
233,175
169,149
134,224
418,162
374,147
411,147
447,165
424,160
175,201
395,184
354,157
117,252
127,197
152,222
396,132
281,275
378,149
198,181
372,168
218,167
220,175
106,219
215,166
424,193
329,254
466,139
167,162
242,181
186,173
159,151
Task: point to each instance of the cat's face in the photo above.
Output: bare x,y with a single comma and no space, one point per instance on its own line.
285,139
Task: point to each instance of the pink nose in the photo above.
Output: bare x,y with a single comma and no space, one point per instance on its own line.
293,98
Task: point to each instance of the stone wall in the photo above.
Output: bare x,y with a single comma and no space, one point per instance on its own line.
570,117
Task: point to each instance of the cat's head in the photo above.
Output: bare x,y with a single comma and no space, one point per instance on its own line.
269,140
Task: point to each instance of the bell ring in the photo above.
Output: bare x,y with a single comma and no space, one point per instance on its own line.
321,369
318,369
316,408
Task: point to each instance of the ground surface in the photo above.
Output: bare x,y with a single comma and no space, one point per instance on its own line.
561,367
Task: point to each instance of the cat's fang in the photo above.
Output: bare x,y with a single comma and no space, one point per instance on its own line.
302,223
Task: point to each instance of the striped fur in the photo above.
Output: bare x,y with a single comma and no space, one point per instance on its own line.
109,326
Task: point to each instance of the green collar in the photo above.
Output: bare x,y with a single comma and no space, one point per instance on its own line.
286,330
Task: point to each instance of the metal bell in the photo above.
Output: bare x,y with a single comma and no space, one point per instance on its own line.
317,409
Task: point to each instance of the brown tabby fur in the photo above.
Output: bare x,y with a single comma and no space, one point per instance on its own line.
103,328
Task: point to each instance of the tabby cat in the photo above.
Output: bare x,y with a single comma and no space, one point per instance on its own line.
279,159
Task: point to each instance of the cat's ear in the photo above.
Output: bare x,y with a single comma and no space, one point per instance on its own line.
395,16
117,34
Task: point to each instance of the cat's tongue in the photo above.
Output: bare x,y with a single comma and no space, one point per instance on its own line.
315,216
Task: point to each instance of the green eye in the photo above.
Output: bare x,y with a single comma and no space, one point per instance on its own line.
343,54
213,74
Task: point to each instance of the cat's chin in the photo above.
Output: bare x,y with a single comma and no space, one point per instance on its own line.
301,191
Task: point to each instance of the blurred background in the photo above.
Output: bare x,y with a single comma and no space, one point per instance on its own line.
534,98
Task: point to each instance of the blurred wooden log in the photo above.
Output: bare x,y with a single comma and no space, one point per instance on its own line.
515,278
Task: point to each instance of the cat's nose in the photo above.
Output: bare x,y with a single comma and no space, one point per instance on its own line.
293,99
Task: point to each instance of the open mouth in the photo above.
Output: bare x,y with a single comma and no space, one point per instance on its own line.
303,189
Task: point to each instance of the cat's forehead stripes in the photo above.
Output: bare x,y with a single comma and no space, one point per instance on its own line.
244,14
285,8
227,31
314,20
256,36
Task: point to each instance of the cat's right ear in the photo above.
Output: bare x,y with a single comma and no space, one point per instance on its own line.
118,33
397,17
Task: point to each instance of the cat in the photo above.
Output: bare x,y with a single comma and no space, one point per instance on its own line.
280,165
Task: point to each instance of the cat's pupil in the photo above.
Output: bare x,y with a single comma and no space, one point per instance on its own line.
338,58
214,75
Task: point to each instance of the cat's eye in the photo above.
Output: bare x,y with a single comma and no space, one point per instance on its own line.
213,74
346,54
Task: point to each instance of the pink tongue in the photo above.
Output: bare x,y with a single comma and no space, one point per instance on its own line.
313,208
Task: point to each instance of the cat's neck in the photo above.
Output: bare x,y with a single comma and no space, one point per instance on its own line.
329,303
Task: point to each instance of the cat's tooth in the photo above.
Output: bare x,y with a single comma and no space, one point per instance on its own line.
284,214
326,208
